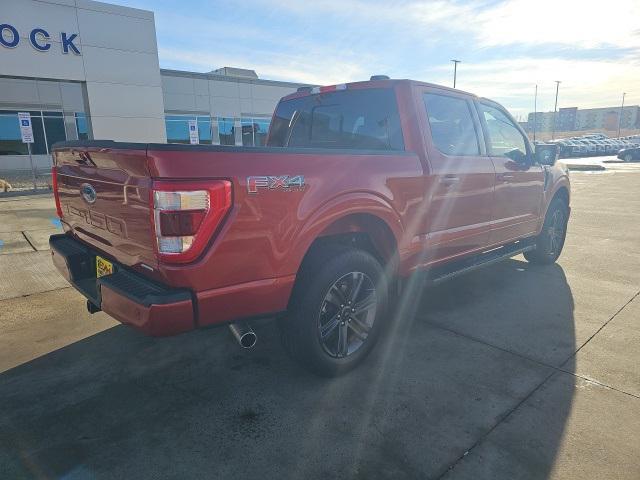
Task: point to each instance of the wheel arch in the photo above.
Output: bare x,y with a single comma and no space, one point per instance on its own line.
363,230
362,220
561,192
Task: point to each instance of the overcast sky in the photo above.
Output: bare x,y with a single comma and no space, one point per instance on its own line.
506,47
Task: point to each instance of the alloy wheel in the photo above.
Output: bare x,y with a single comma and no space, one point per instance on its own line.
555,231
347,313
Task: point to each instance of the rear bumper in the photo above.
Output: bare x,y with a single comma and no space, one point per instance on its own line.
127,296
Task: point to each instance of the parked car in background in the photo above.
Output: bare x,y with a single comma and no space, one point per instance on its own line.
585,146
594,144
629,154
619,144
595,136
565,148
610,146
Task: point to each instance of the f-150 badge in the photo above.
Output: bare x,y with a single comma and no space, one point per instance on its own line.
285,182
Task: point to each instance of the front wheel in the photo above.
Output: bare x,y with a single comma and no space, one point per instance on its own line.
551,240
337,310
628,157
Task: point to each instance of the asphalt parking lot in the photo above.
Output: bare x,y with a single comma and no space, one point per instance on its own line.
511,372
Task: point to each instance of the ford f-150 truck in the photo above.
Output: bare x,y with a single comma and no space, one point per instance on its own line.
361,187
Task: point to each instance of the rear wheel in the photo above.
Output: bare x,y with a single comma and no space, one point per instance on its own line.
551,240
337,310
628,157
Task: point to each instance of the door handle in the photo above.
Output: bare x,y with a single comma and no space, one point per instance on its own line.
504,176
449,180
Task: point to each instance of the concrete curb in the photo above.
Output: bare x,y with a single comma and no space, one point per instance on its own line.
25,193
585,168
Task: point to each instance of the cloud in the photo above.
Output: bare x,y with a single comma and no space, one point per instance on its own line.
573,23
585,83
277,66
567,22
506,46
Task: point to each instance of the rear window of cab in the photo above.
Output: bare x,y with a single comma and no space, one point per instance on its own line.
364,119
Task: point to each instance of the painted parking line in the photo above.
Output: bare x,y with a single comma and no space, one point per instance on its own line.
39,239
55,221
14,242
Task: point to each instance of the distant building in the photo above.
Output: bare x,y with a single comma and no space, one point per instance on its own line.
575,119
567,119
90,70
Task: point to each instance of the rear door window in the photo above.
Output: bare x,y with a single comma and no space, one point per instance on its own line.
452,128
352,119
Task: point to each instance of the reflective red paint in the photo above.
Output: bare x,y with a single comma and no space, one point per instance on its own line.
247,262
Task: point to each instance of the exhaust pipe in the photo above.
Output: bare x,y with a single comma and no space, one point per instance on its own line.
244,334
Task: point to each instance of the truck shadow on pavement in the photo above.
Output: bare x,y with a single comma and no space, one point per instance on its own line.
460,370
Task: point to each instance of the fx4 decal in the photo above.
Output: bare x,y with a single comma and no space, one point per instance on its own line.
285,182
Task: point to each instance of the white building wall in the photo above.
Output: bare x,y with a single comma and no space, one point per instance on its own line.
221,96
118,61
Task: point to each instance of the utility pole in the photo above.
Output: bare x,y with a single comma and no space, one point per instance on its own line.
620,116
455,71
535,111
555,110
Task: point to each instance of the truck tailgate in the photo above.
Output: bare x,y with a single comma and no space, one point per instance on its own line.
105,200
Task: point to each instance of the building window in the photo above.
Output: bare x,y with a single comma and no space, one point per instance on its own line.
53,128
82,126
10,139
247,132
227,131
254,131
48,128
178,128
204,130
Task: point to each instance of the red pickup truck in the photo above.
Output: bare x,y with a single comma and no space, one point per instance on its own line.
361,186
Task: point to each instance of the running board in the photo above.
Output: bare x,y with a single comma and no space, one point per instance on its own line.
447,272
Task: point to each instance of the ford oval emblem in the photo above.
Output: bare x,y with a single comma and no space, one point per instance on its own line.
88,193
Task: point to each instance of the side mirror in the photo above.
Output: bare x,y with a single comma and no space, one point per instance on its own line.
517,155
546,153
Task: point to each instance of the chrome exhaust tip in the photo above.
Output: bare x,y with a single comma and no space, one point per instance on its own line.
244,334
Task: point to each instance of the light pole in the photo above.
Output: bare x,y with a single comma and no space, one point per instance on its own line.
455,71
620,116
535,111
555,110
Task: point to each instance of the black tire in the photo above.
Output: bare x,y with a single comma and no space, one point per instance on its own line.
550,242
628,157
321,273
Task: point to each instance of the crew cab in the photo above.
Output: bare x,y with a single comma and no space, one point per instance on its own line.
361,188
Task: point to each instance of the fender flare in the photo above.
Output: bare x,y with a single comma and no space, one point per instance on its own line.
341,207
561,182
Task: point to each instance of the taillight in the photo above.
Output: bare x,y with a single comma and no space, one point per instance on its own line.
56,195
186,215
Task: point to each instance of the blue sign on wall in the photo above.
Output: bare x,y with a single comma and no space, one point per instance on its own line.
39,39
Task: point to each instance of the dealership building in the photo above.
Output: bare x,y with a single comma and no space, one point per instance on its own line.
90,70
571,119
